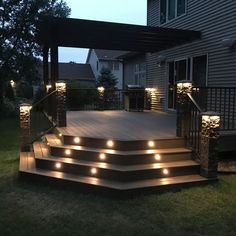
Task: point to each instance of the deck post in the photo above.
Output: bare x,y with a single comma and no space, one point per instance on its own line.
25,127
182,107
210,123
101,94
61,103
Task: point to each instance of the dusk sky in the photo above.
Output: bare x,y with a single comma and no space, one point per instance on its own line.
122,11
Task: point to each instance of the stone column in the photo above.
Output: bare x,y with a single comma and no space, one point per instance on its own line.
61,103
25,126
209,144
182,107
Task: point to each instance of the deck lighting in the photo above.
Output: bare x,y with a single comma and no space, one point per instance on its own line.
101,89
184,87
60,135
158,157
13,83
110,143
102,156
58,165
211,119
68,152
48,87
94,171
151,144
76,140
165,171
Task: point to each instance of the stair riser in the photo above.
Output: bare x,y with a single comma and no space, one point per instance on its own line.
119,159
123,145
117,175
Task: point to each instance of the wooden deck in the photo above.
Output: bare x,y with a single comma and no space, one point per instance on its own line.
121,125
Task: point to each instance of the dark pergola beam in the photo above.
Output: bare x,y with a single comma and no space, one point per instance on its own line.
66,32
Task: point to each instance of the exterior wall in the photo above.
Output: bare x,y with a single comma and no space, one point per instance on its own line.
92,60
216,20
129,69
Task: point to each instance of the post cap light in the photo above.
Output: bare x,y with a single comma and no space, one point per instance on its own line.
184,86
151,90
211,119
25,107
48,87
13,83
100,89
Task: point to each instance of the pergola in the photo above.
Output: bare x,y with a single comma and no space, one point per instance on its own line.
67,32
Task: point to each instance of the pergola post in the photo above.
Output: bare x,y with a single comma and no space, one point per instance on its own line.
45,66
54,66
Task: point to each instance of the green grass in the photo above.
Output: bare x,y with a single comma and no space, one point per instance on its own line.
33,209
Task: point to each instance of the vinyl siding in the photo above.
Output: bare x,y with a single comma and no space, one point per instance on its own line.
216,19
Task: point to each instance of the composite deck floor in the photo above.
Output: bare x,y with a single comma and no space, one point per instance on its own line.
121,125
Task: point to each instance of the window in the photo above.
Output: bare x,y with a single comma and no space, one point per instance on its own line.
140,74
171,9
116,65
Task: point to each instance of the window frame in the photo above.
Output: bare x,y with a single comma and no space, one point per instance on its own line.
167,12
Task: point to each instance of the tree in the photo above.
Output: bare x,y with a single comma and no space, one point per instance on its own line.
107,79
18,48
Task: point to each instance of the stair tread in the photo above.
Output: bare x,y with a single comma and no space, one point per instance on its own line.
56,142
41,152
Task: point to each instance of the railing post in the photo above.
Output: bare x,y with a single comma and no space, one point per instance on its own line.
210,123
182,107
61,103
101,94
25,126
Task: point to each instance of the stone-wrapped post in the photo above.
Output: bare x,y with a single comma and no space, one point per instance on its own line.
209,144
101,94
182,107
61,103
25,126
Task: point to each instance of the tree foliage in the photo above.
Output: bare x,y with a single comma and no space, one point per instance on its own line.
18,47
107,79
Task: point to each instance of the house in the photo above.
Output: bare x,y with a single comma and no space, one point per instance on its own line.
117,151
208,61
72,71
99,58
134,66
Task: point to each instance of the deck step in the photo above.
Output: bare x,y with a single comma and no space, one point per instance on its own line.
29,169
112,171
123,145
115,156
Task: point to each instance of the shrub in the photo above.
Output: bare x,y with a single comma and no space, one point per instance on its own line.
9,92
24,90
9,108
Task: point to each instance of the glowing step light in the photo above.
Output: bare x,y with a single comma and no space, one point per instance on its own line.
58,165
165,171
68,152
110,143
157,157
102,156
76,140
151,143
60,134
94,171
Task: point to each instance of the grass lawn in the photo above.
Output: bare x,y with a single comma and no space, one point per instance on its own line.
34,209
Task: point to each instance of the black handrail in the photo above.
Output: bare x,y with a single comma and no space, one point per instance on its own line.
43,99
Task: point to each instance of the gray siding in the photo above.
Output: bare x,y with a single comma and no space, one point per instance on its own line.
129,68
216,19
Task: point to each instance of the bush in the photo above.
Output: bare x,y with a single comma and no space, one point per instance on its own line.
9,92
24,90
39,94
9,108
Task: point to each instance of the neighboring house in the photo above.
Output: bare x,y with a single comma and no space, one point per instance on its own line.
74,72
134,66
99,58
210,61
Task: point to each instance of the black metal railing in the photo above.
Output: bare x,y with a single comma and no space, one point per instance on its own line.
194,129
92,99
218,99
43,116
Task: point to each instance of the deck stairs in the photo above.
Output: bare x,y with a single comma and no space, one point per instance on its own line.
112,165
